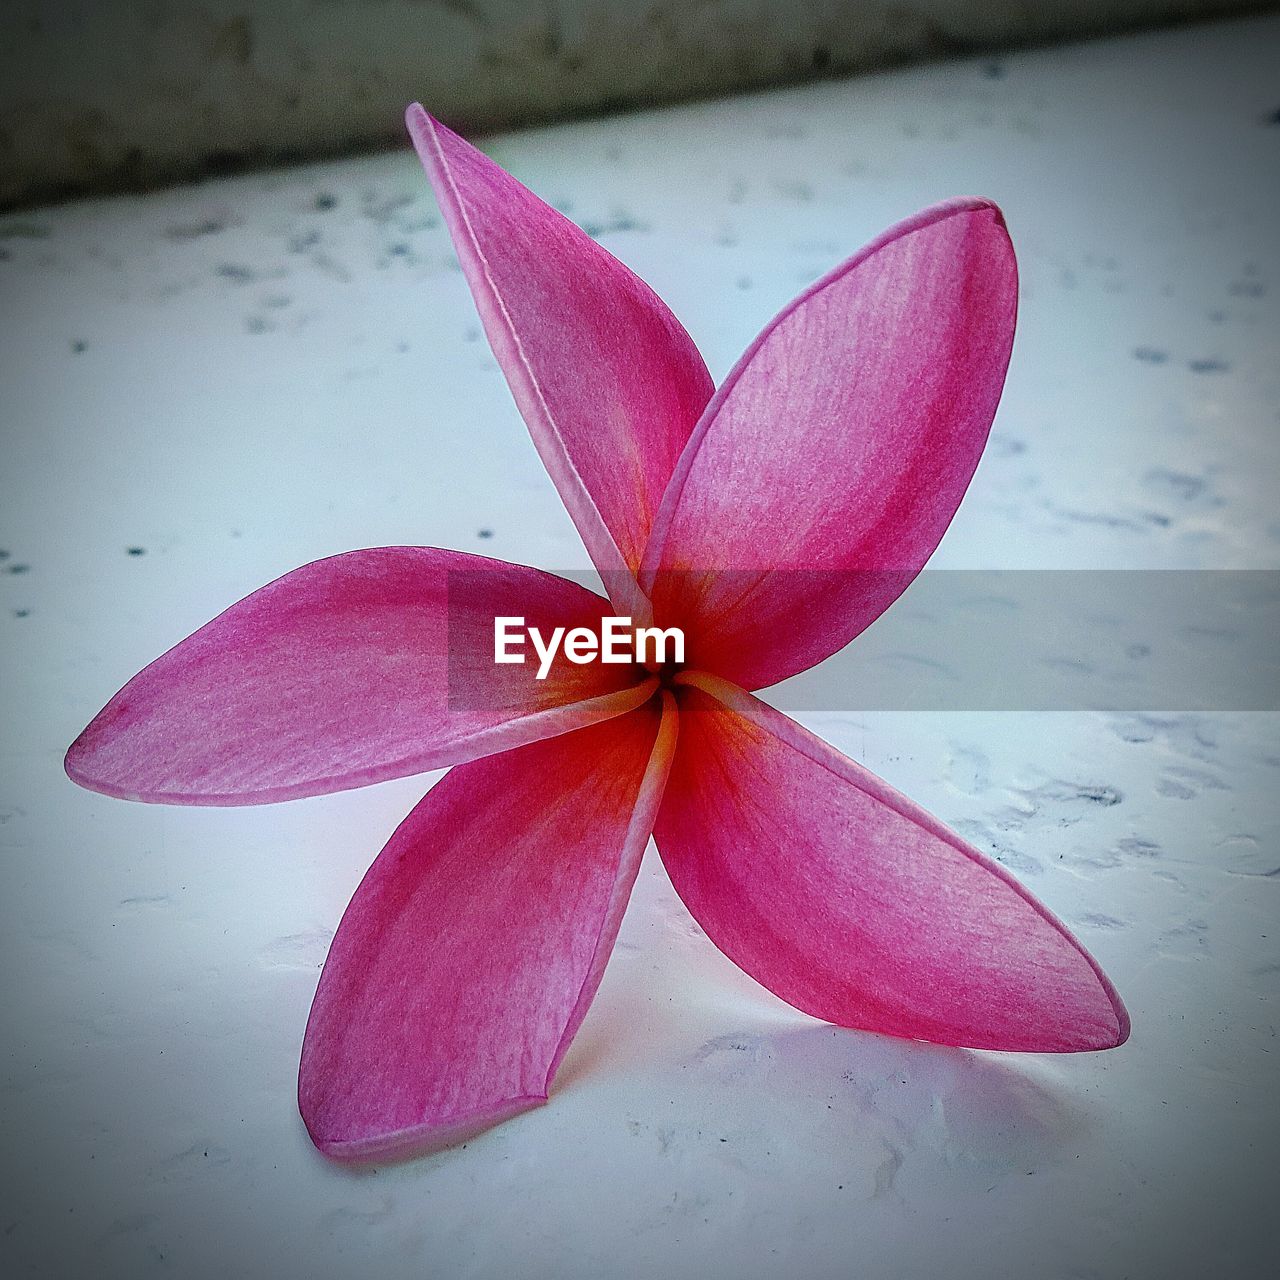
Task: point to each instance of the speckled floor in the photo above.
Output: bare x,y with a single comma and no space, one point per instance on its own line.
207,387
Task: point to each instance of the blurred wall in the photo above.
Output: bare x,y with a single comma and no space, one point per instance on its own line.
118,94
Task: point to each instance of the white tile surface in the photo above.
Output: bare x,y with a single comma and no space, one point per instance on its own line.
264,381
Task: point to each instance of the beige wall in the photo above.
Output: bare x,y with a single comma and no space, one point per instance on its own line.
108,94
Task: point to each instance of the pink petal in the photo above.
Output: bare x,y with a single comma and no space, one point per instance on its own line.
471,950
828,466
362,667
854,904
607,380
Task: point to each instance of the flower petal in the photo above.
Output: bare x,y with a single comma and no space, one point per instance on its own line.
470,952
607,380
828,466
854,904
365,666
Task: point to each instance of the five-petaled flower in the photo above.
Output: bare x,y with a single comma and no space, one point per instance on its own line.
773,521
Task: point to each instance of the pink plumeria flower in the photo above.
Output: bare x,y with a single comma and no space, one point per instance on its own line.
773,520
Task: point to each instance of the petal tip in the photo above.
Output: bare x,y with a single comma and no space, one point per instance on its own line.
411,1142
1111,1025
77,764
421,125
1119,1025
954,206
69,765
1124,1024
417,119
986,202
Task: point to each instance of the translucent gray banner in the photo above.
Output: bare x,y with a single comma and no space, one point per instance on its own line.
1013,640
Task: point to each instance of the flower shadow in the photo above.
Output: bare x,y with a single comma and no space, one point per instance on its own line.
817,1098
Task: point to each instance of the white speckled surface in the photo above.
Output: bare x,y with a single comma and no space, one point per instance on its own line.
244,376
